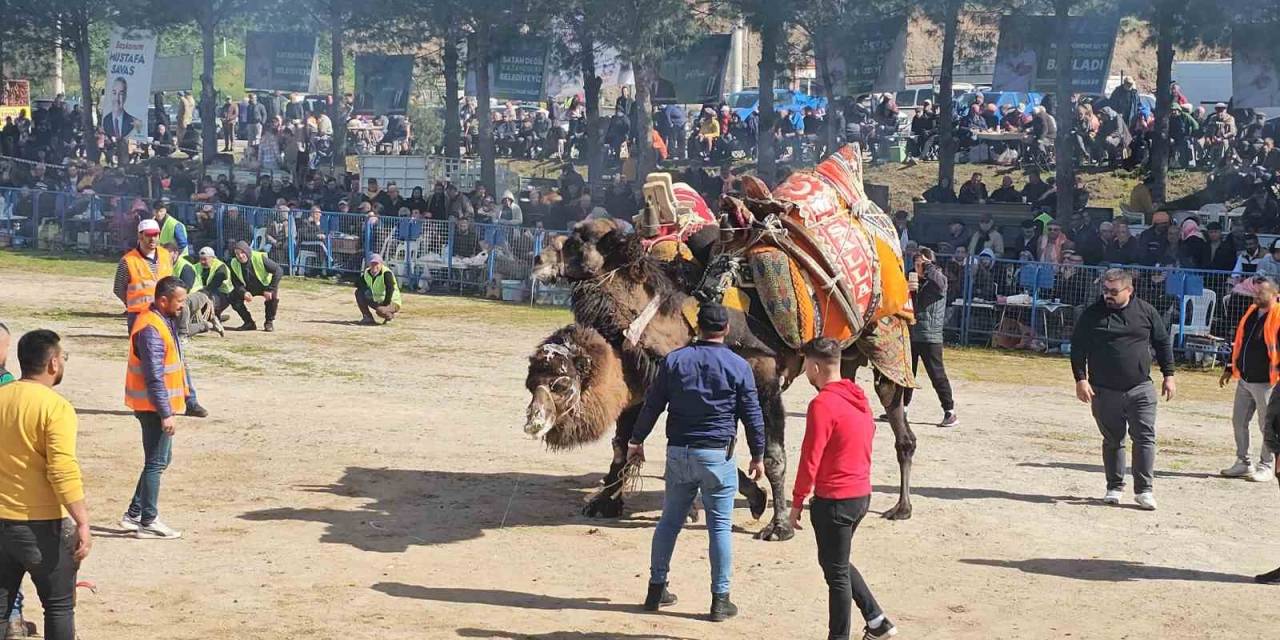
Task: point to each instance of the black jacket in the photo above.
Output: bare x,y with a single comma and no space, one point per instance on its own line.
1112,347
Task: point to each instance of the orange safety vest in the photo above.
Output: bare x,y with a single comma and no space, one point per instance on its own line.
175,375
1270,328
141,291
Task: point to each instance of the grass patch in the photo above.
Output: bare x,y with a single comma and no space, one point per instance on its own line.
486,311
312,369
224,362
249,349
61,264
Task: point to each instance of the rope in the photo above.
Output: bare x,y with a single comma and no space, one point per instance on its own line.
510,499
629,483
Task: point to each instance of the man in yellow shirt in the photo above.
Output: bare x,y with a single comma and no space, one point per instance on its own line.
40,485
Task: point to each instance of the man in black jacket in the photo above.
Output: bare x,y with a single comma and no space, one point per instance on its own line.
254,274
929,291
1111,361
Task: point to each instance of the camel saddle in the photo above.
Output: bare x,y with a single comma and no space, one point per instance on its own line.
673,212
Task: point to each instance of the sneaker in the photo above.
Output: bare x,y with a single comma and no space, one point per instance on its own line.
884,630
1261,473
1240,469
130,523
248,326
196,411
1270,577
1146,501
1113,496
950,420
268,327
157,531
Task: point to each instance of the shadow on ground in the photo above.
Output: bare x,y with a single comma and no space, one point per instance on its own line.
961,493
520,600
1097,468
104,412
1108,570
563,635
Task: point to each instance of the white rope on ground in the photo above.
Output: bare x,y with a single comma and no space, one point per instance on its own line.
510,499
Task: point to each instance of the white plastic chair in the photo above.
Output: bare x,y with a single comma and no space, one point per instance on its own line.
1198,321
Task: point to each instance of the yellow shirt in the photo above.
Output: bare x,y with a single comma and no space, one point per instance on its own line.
38,468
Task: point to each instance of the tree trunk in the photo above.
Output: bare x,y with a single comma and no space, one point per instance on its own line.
770,42
488,159
452,128
591,89
647,158
208,99
822,48
1066,111
86,89
946,99
1164,98
338,77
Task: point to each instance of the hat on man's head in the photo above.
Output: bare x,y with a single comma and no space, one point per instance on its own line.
712,318
375,258
206,252
149,227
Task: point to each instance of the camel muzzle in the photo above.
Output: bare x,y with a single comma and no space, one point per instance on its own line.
540,417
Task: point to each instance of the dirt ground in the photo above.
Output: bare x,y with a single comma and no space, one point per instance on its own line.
358,482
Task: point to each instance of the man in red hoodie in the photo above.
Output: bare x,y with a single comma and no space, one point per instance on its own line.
835,463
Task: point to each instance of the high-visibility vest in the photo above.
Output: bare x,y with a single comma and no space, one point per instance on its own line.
181,267
378,289
1270,328
141,291
256,258
169,230
206,274
175,376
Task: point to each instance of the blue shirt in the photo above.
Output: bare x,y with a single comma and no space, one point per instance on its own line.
705,388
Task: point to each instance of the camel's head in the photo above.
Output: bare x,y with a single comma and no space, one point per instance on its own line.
548,265
570,365
585,252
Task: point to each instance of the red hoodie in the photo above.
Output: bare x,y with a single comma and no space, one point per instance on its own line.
835,459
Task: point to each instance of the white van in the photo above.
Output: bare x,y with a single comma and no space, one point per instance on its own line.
913,96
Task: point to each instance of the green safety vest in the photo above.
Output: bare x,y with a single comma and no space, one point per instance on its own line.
169,230
182,265
5,377
259,269
376,288
215,265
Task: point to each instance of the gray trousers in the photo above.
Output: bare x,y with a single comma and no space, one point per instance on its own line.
1132,412
196,316
1251,399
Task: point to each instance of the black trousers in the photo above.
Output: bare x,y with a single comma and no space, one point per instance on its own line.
931,353
220,300
834,523
44,549
237,303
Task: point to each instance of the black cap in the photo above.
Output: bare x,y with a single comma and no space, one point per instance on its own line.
712,318
1213,226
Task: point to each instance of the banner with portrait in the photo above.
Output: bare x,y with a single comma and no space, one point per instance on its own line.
281,62
1255,66
383,83
1026,56
15,99
130,63
869,57
694,75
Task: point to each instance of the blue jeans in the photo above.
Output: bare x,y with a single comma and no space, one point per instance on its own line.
16,612
156,449
689,471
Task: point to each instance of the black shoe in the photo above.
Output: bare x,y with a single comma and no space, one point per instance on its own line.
196,411
248,326
268,327
368,320
658,597
950,419
1270,577
884,630
721,608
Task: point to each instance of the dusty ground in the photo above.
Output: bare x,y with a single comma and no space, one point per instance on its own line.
373,483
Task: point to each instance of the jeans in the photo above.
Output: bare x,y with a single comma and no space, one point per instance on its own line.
156,450
931,353
43,549
689,470
1134,410
834,523
1251,399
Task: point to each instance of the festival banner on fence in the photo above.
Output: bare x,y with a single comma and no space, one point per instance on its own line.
1255,66
869,57
130,62
15,99
173,73
383,84
696,74
281,62
1026,57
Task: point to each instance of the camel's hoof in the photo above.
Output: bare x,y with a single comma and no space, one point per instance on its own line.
899,512
757,501
776,531
693,516
603,508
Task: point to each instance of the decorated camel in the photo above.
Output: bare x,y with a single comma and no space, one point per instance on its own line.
814,257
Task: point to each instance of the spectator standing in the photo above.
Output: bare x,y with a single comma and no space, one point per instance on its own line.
1255,365
438,203
1248,259
929,293
1052,243
1093,247
835,463
1153,242
1221,250
1028,242
1124,248
986,237
957,234
40,485
1111,351
1193,250
509,212
230,113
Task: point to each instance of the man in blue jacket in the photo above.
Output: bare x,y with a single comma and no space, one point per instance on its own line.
706,389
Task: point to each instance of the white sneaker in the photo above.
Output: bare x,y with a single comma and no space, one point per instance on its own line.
1113,496
129,523
157,531
1261,473
1240,469
1146,501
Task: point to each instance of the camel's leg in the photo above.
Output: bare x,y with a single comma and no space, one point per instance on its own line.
891,396
775,462
604,505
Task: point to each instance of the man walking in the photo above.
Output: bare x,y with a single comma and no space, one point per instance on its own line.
1255,364
929,288
1111,361
155,388
254,274
835,463
706,389
377,292
40,485
139,270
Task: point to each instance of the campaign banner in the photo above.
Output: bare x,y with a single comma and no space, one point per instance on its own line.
612,70
130,62
173,73
696,74
383,84
869,57
281,62
1255,66
519,71
1026,56
15,99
